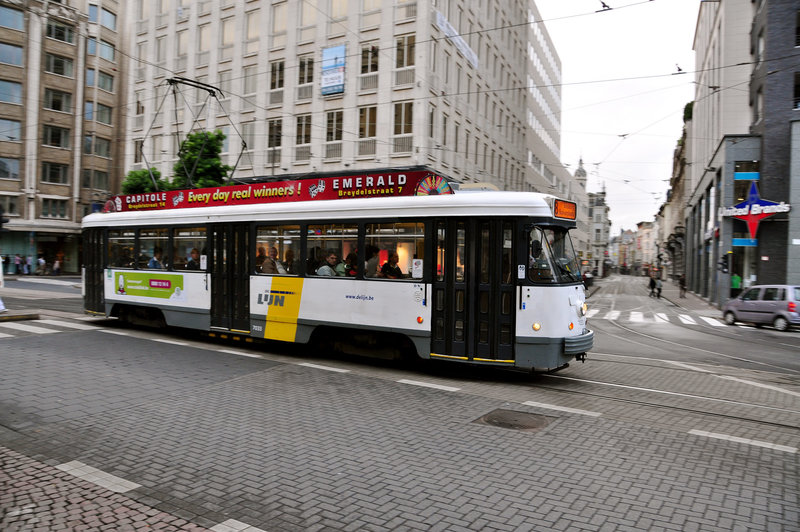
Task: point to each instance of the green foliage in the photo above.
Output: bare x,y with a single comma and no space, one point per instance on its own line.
201,149
687,111
139,181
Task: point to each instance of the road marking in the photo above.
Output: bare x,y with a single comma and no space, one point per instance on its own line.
232,525
563,409
659,317
759,385
173,342
612,315
232,352
96,476
685,318
592,312
326,368
756,443
70,325
664,392
637,317
429,385
712,321
5,335
26,328
120,333
686,366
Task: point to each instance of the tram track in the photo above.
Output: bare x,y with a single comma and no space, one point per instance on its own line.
757,344
696,411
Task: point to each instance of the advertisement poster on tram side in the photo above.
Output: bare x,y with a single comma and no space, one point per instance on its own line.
159,285
386,184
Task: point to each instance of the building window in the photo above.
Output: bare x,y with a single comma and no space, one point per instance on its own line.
56,136
226,38
88,111
369,59
10,130
403,118
55,173
53,208
55,64
334,126
10,54
250,79
92,13
108,19
9,168
60,32
90,77
274,133
91,46
9,204
12,18
252,32
10,91
105,82
249,134
367,122
303,130
107,51
306,70
276,75
797,90
102,147
95,179
103,114
405,51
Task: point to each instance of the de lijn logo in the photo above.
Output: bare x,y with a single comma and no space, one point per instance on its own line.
754,209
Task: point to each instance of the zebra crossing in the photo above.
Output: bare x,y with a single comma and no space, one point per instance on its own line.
635,316
11,329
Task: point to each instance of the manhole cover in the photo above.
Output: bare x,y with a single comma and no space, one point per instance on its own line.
511,419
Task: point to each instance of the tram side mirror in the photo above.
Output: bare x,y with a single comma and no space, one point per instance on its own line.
536,249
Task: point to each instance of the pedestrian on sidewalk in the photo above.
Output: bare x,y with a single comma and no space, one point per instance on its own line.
658,288
682,285
652,286
2,306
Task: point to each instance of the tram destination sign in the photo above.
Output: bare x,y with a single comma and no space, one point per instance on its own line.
411,183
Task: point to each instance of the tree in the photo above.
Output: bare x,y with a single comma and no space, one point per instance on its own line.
139,181
199,157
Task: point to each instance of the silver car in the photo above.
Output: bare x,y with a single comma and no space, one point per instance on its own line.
778,305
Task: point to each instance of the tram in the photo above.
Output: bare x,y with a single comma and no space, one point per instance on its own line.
391,262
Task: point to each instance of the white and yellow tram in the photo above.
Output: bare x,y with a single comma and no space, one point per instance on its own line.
377,263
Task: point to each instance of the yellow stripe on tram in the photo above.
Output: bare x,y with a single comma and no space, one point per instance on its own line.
283,308
449,356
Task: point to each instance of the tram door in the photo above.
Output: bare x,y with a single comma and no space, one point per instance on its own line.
230,279
473,290
93,263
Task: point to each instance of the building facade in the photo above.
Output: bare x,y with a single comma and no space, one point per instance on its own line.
470,89
744,171
61,114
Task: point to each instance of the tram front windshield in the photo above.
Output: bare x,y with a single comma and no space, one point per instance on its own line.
551,257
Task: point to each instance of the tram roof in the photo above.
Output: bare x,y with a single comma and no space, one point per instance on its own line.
460,204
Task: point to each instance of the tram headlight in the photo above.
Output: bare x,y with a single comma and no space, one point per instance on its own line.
537,326
584,309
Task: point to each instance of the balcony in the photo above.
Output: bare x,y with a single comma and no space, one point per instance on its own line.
366,147
333,150
368,82
276,97
304,92
402,143
302,153
404,76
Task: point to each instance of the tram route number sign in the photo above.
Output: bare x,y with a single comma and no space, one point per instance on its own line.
412,183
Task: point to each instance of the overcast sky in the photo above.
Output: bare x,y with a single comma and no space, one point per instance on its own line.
623,98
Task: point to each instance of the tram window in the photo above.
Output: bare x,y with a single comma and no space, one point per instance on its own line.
120,248
461,239
189,250
440,247
153,244
277,249
551,257
508,235
402,242
332,250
